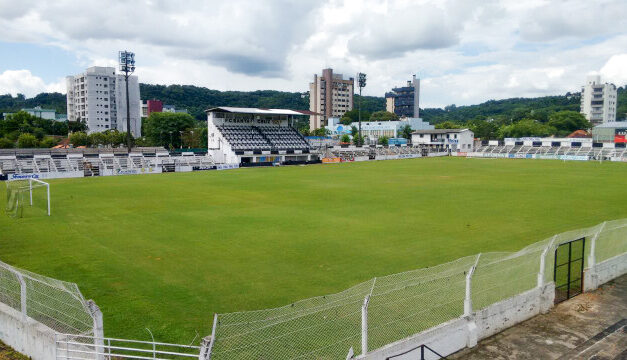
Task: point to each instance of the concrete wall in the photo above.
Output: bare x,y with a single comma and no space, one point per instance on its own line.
605,271
31,338
457,334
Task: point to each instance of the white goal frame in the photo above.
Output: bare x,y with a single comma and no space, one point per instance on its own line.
41,183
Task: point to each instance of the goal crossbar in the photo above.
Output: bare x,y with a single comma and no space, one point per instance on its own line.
39,183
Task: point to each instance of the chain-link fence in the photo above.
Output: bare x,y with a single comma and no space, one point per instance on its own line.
54,303
391,308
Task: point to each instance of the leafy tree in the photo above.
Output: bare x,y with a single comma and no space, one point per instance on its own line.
48,142
354,131
358,140
345,139
447,125
6,143
79,138
383,140
526,127
27,141
164,129
568,121
320,132
115,138
405,131
383,116
77,125
484,129
353,116
97,138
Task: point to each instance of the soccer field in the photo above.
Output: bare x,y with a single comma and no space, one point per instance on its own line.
166,251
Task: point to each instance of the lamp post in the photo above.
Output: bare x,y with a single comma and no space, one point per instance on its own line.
181,138
362,83
127,66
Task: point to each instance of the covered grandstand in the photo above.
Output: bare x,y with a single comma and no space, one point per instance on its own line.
254,136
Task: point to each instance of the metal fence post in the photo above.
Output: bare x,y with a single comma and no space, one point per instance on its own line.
23,298
468,298
593,244
364,326
206,353
540,283
98,329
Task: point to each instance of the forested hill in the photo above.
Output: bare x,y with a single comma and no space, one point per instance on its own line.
197,99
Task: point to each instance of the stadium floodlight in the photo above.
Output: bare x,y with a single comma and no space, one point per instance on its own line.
361,77
127,66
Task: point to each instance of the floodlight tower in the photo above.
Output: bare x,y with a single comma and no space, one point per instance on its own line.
362,84
127,66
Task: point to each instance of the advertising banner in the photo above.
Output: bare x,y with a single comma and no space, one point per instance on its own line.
227,166
46,175
331,160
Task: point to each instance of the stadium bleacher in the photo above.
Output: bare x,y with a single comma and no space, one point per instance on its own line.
246,137
93,161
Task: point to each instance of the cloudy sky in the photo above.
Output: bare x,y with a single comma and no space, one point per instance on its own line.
465,51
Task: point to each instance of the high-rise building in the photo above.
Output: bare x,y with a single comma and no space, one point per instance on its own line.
598,101
330,95
98,98
404,101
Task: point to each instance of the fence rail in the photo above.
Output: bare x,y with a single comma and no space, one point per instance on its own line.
364,318
70,346
388,309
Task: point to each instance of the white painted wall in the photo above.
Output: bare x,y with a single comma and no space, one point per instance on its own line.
28,337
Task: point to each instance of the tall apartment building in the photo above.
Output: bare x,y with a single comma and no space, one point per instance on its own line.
404,101
330,95
598,101
98,98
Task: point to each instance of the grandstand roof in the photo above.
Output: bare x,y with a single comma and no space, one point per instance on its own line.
262,111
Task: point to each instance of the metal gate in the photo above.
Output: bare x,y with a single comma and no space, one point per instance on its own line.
568,271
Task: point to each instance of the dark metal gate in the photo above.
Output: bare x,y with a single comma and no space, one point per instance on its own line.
568,271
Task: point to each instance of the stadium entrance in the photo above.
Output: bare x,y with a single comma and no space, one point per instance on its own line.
568,271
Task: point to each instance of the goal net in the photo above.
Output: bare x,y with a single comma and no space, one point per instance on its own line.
33,193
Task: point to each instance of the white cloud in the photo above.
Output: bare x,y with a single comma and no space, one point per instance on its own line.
23,82
465,51
615,69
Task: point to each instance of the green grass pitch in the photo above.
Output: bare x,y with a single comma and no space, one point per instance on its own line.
167,251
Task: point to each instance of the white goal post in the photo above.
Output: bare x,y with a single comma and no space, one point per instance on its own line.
39,183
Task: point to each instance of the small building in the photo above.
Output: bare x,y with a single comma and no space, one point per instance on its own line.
613,132
373,130
446,139
37,111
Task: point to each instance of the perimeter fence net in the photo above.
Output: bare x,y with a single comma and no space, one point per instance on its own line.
54,303
400,305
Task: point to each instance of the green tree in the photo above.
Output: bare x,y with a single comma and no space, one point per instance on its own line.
27,141
354,131
358,140
526,127
164,129
78,125
48,142
405,131
353,116
97,138
383,116
568,121
115,138
383,140
320,132
79,138
447,125
485,130
6,143
345,139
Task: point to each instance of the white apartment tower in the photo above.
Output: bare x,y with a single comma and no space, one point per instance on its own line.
98,97
330,95
598,101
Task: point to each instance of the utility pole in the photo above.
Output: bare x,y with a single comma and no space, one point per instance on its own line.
362,83
127,66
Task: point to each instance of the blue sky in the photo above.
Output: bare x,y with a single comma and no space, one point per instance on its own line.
465,51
